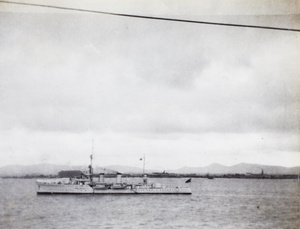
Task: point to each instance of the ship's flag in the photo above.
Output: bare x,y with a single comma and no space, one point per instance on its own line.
91,156
188,180
141,158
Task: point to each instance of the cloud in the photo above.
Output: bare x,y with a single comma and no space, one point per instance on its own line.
163,88
159,77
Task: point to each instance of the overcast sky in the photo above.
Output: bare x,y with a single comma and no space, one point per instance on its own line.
182,94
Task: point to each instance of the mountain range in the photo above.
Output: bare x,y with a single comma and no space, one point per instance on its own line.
242,168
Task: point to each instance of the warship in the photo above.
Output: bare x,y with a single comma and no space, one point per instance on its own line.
85,184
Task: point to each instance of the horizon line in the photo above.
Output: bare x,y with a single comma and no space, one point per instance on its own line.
184,166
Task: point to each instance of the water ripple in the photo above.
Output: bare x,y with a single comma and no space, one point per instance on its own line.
218,203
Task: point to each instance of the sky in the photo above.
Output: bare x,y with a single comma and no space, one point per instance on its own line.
181,94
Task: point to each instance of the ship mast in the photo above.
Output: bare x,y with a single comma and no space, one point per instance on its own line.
91,165
144,164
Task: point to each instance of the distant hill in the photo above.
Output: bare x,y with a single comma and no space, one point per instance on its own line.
242,168
128,169
50,169
43,169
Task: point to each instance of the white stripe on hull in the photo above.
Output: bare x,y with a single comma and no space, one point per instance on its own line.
76,189
164,191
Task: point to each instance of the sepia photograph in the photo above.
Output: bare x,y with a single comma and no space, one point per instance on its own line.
150,114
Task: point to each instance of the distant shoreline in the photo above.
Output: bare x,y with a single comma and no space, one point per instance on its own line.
177,175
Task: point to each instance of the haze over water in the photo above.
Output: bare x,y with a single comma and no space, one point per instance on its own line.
218,203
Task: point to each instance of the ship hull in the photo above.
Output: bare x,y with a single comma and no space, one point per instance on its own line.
64,189
86,189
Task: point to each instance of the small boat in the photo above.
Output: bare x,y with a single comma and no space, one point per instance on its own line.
87,185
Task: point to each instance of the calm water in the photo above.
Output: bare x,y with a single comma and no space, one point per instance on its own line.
218,203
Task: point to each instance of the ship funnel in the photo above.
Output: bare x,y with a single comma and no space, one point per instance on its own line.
119,178
101,177
145,179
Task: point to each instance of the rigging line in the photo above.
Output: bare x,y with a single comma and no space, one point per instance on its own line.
152,18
